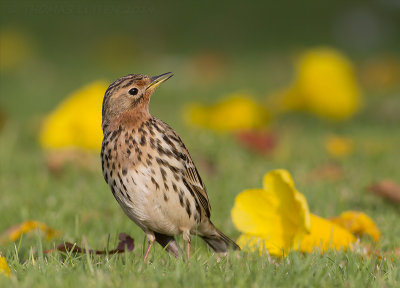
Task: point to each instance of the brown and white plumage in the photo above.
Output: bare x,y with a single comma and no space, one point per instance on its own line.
150,171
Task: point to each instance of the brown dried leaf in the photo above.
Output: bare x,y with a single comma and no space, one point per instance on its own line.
262,142
327,171
208,65
126,244
386,189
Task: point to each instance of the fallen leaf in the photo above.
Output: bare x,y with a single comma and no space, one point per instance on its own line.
381,73
262,142
386,189
13,233
396,252
209,66
126,243
328,171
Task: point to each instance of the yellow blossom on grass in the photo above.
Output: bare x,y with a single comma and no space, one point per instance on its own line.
325,235
16,231
4,269
325,85
235,112
358,223
276,218
338,146
276,215
76,122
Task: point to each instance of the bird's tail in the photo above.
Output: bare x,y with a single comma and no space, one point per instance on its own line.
218,241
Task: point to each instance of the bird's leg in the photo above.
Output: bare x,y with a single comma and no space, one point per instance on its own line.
186,238
188,249
150,238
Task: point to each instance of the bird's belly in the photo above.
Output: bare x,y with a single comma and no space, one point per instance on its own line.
151,206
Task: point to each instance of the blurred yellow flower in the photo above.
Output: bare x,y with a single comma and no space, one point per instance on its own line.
15,48
13,233
325,85
338,146
76,122
4,269
235,112
276,218
358,223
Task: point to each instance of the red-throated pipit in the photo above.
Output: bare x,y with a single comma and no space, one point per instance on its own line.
150,171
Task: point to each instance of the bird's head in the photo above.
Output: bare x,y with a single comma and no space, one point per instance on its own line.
129,97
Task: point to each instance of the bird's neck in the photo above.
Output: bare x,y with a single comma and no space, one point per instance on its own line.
130,119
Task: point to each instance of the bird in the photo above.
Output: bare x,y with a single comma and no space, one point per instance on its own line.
150,171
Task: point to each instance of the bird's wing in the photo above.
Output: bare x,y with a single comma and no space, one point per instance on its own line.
191,176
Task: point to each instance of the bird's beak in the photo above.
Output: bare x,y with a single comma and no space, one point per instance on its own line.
157,80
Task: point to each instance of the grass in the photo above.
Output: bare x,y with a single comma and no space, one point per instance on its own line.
79,203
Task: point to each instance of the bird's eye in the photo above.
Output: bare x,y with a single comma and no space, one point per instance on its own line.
133,91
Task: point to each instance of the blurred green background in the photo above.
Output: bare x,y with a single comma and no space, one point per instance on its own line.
69,43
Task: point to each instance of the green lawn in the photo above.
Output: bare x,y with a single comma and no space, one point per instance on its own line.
79,204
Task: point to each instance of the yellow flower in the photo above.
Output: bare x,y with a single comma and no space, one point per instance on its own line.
325,235
76,122
235,112
325,85
16,231
4,269
358,223
276,218
338,146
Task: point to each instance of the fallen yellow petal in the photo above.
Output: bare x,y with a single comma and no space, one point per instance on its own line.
357,223
16,231
338,146
325,235
76,122
278,214
4,269
235,112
